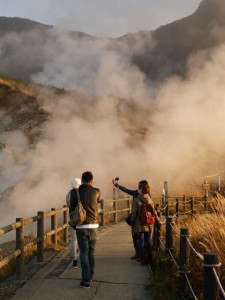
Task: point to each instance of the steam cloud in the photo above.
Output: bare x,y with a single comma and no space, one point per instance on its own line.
116,124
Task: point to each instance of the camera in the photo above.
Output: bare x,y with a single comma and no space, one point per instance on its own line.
116,179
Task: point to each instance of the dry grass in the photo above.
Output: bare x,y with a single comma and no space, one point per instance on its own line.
208,230
207,234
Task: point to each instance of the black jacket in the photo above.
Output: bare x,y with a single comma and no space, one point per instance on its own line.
89,197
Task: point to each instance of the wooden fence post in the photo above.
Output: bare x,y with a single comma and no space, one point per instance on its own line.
115,209
157,230
192,205
20,246
211,290
103,212
219,184
183,259
163,200
54,226
40,237
65,221
206,200
177,209
169,234
166,193
167,209
129,205
184,204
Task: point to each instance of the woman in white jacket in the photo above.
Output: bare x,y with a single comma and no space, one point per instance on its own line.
75,183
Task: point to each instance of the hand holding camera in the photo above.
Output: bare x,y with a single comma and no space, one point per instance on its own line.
115,181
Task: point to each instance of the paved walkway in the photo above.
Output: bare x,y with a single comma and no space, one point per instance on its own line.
116,275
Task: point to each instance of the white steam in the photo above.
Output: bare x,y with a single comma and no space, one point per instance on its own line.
114,127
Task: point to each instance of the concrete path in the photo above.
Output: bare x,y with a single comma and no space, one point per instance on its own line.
116,275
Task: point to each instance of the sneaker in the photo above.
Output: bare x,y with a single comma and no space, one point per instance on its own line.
84,285
75,264
134,257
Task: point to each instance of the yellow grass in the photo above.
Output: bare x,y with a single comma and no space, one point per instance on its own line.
208,230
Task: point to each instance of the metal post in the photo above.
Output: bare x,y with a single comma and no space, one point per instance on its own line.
211,290
40,236
20,246
183,259
169,234
54,226
65,221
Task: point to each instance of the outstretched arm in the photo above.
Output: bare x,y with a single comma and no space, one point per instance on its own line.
127,191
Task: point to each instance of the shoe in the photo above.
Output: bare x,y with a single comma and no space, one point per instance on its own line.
84,285
134,257
75,264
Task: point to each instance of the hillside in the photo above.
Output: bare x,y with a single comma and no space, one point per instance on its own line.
163,52
175,42
20,110
23,45
8,24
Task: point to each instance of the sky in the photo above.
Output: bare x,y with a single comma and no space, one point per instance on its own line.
101,18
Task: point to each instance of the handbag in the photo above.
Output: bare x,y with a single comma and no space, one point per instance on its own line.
78,216
129,221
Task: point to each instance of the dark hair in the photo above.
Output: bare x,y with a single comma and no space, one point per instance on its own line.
87,176
142,183
145,188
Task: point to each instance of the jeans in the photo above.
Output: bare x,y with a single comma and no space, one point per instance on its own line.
144,239
86,240
135,239
74,248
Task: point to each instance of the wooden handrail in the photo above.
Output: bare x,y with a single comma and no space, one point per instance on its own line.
40,218
107,208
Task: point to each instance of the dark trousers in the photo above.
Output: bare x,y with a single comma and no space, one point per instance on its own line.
135,239
86,239
144,239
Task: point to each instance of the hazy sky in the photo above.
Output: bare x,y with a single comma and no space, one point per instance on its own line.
101,17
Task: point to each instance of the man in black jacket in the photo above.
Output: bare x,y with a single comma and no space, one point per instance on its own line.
86,232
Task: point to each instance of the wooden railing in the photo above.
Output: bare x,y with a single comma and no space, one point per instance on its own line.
114,208
39,241
109,211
